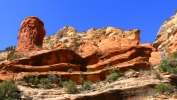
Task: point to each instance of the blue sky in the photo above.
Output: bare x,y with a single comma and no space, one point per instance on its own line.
146,15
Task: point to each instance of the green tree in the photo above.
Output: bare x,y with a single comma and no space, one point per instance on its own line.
9,90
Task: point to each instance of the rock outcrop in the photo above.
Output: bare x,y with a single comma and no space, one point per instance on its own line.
94,53
95,56
67,33
30,35
166,32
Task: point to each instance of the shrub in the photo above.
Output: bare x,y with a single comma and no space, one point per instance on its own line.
9,91
65,41
86,85
163,88
112,77
174,55
81,78
45,82
15,56
70,86
36,81
114,74
157,75
52,78
70,70
168,65
31,80
28,77
60,81
76,45
21,82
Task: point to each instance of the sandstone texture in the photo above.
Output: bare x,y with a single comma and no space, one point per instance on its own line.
155,58
68,32
166,33
94,51
30,35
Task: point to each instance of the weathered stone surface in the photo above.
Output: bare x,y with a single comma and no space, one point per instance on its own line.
96,55
67,33
3,55
129,89
30,35
155,58
171,46
132,34
166,32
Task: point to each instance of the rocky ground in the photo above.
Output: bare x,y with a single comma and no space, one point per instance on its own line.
132,86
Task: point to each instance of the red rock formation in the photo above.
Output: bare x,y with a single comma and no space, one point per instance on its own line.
97,54
124,54
30,35
155,58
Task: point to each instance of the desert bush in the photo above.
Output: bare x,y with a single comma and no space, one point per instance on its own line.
162,87
16,56
114,74
45,83
70,70
76,45
31,80
174,55
65,41
86,85
36,81
81,78
52,78
21,82
60,81
157,75
112,77
70,86
168,65
28,78
9,90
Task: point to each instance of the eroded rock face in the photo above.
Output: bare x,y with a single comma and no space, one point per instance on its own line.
95,56
30,35
166,32
155,58
94,50
68,32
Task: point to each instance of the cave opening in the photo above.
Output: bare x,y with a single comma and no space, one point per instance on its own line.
37,64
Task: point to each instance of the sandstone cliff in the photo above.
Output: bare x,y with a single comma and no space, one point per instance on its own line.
166,32
94,53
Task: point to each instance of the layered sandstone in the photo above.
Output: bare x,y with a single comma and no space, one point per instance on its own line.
93,52
166,32
95,56
30,35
